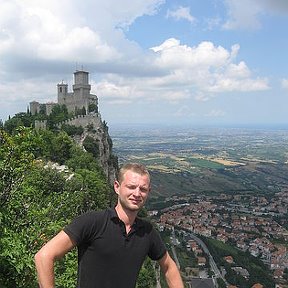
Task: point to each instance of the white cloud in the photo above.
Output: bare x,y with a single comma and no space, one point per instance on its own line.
121,93
127,90
213,22
277,6
284,83
205,67
175,96
70,31
72,47
201,72
184,111
173,55
238,70
215,113
30,90
181,13
243,14
246,14
203,97
229,84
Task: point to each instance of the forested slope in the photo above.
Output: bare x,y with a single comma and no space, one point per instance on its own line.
38,200
46,180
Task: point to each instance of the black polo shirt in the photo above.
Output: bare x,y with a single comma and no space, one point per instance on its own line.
108,257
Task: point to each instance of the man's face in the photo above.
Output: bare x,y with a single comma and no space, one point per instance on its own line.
133,190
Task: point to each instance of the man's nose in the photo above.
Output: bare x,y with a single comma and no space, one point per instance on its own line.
137,191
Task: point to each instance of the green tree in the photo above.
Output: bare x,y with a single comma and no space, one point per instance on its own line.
58,114
20,119
94,189
11,124
32,216
93,108
81,160
39,201
259,273
16,157
61,148
72,130
147,275
92,145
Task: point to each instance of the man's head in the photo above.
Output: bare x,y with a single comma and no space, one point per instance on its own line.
134,167
132,186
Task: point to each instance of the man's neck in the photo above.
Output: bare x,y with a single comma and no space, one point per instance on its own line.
127,216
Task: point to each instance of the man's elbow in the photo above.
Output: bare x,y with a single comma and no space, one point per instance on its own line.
43,256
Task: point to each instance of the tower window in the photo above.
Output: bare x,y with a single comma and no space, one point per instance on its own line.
60,89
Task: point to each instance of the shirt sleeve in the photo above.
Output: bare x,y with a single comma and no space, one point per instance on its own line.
157,247
82,228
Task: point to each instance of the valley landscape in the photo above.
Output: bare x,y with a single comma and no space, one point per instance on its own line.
228,186
207,160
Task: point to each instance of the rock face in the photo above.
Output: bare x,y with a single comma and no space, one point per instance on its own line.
97,132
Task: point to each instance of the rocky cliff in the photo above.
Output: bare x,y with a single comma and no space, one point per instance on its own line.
96,134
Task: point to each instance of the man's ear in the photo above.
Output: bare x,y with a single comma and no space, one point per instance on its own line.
116,186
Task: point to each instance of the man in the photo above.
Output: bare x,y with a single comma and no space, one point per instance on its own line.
112,244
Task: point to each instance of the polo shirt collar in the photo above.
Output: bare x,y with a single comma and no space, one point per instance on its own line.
138,223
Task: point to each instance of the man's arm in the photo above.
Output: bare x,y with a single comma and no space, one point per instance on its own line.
171,272
56,248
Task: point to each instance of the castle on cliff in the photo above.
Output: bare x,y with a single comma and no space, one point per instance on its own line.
79,100
84,107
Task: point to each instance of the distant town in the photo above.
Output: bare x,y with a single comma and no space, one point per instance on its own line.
229,185
248,226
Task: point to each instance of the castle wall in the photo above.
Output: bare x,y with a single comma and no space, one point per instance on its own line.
40,124
84,120
34,107
49,107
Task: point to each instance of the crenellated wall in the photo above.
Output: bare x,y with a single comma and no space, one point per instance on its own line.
84,120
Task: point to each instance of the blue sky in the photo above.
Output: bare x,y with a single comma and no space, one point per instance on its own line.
208,62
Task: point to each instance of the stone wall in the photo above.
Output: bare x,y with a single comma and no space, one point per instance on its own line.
40,124
84,120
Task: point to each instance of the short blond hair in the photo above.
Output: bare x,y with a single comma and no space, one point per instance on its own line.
135,167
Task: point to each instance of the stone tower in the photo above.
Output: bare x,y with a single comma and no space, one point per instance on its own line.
78,100
62,91
80,97
81,87
34,107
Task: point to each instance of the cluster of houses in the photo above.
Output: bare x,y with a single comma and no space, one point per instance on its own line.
250,227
